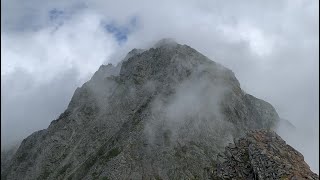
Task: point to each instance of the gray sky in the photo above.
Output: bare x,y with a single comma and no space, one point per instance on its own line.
51,47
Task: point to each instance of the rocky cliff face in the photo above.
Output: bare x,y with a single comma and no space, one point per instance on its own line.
261,154
162,113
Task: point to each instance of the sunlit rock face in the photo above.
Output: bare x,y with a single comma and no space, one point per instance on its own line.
162,113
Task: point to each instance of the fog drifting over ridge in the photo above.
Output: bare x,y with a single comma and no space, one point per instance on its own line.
50,48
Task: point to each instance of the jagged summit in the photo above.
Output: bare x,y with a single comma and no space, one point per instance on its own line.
162,113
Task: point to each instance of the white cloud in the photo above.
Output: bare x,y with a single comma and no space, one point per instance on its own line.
40,71
49,51
258,42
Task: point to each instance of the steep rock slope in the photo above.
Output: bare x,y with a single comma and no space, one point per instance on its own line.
162,113
261,154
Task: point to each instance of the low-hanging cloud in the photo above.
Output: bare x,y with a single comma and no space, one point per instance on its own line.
272,46
192,113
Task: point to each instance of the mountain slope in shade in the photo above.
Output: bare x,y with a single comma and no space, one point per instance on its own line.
261,154
162,113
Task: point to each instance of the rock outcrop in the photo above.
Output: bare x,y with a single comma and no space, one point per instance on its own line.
262,154
162,113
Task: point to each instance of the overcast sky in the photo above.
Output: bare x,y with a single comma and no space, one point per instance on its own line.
51,47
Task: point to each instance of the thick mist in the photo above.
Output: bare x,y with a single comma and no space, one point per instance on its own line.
303,140
191,113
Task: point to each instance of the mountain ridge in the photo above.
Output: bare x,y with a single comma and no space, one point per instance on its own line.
165,112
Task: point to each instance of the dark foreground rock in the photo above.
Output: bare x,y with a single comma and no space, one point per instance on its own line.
262,154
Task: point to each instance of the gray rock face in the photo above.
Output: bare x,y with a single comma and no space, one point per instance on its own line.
162,113
261,154
7,154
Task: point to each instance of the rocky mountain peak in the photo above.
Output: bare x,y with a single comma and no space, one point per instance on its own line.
161,113
168,61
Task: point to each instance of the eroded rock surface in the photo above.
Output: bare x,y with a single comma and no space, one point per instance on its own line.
262,154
